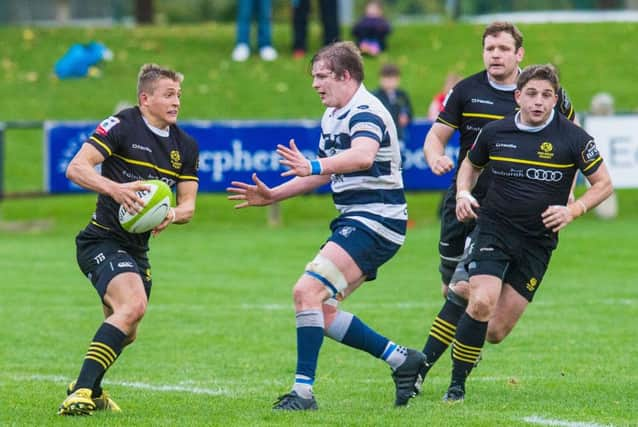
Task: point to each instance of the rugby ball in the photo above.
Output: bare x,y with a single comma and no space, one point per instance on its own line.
157,203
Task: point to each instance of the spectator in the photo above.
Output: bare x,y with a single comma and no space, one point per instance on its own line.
329,21
246,9
436,106
394,99
602,104
372,29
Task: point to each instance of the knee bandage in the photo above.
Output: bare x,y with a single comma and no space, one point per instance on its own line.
324,270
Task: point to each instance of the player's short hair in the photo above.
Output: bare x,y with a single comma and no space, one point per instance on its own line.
538,72
504,27
151,73
340,57
389,70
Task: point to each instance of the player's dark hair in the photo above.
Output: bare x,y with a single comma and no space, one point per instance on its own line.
538,72
504,27
151,73
340,57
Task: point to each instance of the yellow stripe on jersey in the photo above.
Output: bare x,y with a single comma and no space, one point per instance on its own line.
157,168
447,123
483,116
103,145
531,162
593,163
97,224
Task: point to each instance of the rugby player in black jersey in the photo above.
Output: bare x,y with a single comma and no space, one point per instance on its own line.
532,157
136,144
475,101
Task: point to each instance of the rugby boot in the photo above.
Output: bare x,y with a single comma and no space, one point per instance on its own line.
407,377
293,402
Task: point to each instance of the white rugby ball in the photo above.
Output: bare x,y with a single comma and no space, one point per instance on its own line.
157,203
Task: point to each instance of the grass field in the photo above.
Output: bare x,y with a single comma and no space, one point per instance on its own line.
218,344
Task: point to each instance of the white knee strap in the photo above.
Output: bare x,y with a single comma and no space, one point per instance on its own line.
324,270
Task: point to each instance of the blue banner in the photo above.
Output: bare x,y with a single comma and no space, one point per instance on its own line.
233,150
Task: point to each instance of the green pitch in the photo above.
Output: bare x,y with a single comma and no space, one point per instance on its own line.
217,345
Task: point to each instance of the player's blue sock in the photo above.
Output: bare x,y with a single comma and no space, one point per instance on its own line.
309,340
351,331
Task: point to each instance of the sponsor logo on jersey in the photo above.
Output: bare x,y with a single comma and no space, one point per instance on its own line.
544,175
176,160
515,173
590,153
363,107
546,150
482,101
503,145
141,147
106,125
125,264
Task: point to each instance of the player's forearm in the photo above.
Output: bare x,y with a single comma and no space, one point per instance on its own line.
433,148
599,191
467,176
298,185
352,160
86,177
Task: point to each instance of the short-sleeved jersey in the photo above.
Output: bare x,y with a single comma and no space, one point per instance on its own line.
474,102
531,169
373,197
134,151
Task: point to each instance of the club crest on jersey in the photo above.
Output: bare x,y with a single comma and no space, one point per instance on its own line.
106,125
590,153
546,150
176,160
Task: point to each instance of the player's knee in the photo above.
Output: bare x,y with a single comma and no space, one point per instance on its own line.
133,312
328,274
480,307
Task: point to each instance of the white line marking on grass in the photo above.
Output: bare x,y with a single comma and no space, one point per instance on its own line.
535,419
138,385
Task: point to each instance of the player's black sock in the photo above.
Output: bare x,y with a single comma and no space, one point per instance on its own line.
104,349
468,342
442,332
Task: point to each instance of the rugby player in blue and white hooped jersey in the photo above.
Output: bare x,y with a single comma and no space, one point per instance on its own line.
359,153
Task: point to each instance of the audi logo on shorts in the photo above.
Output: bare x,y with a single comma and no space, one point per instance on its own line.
544,175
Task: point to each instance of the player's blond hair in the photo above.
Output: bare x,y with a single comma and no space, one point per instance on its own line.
151,73
340,57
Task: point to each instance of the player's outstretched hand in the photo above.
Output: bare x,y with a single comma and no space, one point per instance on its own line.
556,217
465,205
293,159
442,165
258,194
126,194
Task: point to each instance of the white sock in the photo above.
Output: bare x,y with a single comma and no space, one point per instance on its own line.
394,354
303,390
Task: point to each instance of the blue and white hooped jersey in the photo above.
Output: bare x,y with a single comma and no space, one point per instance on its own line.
373,197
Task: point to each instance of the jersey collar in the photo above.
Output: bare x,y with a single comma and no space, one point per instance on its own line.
527,128
157,131
497,86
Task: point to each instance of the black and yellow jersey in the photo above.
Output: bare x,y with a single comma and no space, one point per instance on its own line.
531,169
474,102
134,151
